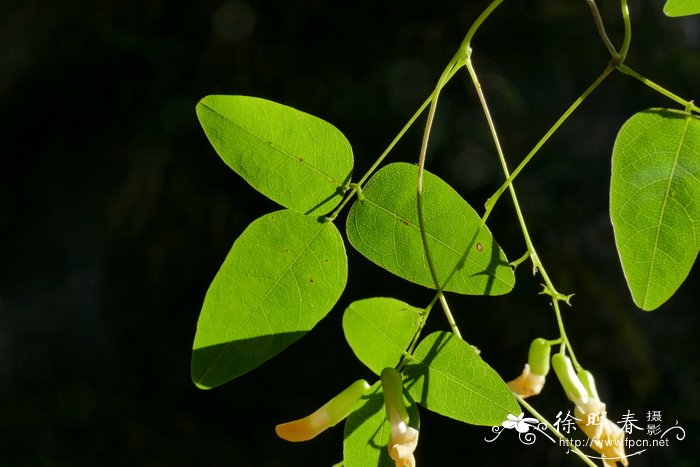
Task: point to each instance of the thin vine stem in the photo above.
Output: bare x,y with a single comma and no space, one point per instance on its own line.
490,203
465,48
556,432
688,105
455,64
459,60
627,39
416,336
353,188
598,20
536,262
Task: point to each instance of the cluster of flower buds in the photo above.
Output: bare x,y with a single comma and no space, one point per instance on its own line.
606,437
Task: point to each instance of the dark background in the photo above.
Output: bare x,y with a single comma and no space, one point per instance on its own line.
115,214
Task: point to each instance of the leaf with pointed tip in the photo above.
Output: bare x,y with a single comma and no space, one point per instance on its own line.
380,329
282,276
293,158
682,7
447,376
383,226
655,202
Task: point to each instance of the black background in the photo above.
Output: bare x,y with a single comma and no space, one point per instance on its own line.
115,214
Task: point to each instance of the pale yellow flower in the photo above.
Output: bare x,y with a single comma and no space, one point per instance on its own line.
606,437
527,384
403,441
328,415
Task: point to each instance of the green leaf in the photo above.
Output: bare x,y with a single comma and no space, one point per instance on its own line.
383,226
655,202
379,330
293,158
367,431
682,7
447,376
283,275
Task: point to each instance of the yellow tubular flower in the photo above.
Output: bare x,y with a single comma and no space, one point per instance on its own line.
404,439
607,439
527,384
328,415
531,381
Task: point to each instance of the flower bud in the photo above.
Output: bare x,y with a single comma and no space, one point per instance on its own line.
538,356
586,378
564,370
531,381
328,415
392,386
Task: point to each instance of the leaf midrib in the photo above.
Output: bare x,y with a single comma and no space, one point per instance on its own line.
254,309
458,382
433,237
661,215
301,161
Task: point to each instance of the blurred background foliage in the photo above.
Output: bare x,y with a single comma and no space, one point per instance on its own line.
115,214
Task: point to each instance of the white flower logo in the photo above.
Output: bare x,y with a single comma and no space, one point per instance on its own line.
520,423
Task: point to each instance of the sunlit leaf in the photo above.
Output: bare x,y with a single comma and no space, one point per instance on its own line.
295,159
447,376
682,7
367,431
655,202
383,226
379,330
282,275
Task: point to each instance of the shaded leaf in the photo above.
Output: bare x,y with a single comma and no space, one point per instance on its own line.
379,330
447,376
383,226
682,7
282,275
293,158
655,202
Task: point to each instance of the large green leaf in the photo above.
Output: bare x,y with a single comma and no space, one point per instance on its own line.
682,7
655,202
380,329
295,159
447,376
383,226
367,431
282,275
